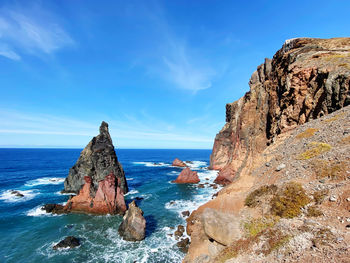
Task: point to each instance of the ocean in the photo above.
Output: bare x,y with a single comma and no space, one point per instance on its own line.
28,233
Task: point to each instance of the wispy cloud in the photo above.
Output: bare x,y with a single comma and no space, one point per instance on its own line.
128,131
184,71
183,65
30,31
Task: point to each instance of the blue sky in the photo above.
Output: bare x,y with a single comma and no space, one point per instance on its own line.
159,72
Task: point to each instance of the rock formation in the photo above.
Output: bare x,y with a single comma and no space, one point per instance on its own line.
306,79
284,157
187,177
133,227
177,162
68,242
97,178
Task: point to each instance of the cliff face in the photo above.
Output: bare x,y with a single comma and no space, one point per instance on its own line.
284,156
306,79
97,178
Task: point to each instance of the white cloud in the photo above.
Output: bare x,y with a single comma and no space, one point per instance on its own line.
32,31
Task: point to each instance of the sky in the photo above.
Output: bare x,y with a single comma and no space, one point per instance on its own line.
159,72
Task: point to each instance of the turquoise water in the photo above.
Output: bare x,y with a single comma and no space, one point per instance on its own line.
28,234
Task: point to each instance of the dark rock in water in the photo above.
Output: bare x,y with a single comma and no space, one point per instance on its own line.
17,193
54,209
183,245
98,178
185,213
201,186
68,242
96,161
179,232
139,198
133,227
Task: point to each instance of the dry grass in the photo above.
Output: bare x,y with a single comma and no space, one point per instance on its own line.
330,169
255,226
275,240
319,196
313,211
234,249
252,199
307,133
334,118
314,149
323,237
289,201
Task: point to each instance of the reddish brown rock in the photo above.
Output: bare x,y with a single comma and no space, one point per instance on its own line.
179,163
225,176
109,199
187,177
306,79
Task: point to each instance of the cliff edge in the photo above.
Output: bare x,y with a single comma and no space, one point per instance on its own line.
283,155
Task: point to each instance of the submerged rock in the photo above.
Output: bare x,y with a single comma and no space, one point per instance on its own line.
179,163
68,242
187,177
98,178
133,227
17,193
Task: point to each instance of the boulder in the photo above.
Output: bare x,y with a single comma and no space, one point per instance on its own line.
224,228
185,213
187,177
68,242
177,162
97,178
183,244
53,208
133,227
225,176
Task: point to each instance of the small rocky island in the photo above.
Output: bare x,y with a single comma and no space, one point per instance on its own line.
97,178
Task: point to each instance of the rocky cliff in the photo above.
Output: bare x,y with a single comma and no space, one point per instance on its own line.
284,157
97,178
306,79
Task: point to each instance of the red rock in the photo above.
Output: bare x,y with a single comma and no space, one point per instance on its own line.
187,177
179,163
226,175
107,200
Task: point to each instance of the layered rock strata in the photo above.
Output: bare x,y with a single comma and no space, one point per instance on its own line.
97,178
133,227
306,79
187,176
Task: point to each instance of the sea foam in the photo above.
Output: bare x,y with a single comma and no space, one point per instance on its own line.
9,197
45,180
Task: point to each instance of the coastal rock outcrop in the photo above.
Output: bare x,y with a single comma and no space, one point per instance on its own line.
133,227
187,177
177,162
306,79
97,178
283,155
68,242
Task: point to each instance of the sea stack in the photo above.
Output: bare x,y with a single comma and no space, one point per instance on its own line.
97,178
133,227
187,177
177,162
